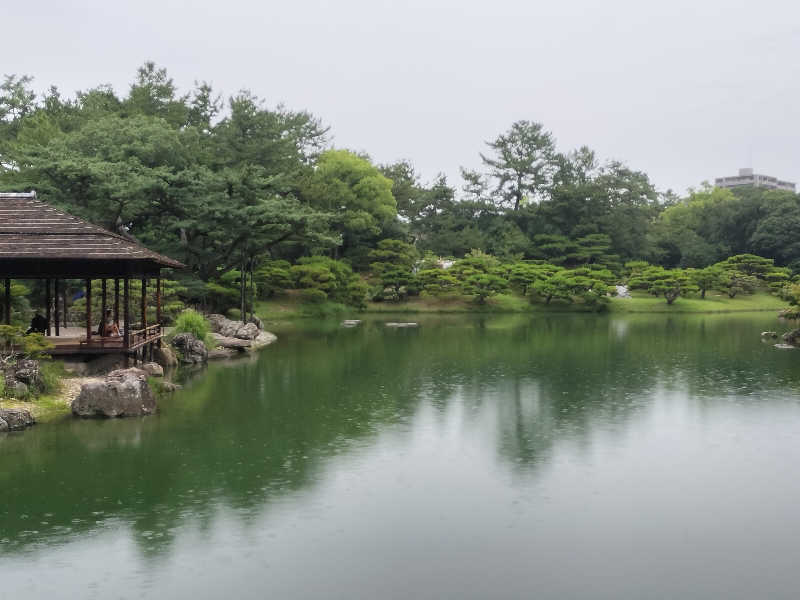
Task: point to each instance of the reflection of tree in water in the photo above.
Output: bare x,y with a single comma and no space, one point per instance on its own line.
240,437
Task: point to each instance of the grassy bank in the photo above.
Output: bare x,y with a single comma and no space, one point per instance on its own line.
712,303
291,308
45,408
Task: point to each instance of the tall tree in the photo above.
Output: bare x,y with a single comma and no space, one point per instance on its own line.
522,163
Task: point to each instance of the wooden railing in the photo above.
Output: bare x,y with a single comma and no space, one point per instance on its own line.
140,337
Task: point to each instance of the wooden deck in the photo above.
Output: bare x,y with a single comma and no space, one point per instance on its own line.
75,343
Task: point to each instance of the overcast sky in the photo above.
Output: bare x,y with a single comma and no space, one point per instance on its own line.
685,90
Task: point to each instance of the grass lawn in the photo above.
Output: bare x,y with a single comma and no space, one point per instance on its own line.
713,303
290,307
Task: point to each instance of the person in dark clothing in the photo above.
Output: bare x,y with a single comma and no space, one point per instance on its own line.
38,324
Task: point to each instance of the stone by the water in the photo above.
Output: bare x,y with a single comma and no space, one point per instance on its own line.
233,329
784,346
792,337
153,369
265,338
402,324
122,393
772,334
193,351
351,323
231,342
165,356
222,353
16,418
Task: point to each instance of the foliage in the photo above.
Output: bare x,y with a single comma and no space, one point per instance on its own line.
350,187
793,295
521,164
670,283
272,277
330,279
438,282
734,282
392,265
244,193
51,374
483,285
14,342
191,321
576,285
706,279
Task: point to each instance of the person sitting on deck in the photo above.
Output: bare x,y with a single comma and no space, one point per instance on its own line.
108,328
38,325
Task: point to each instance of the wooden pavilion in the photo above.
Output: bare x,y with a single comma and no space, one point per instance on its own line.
38,241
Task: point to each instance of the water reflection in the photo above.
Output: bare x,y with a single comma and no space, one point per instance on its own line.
241,441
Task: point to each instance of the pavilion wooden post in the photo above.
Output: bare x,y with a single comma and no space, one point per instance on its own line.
65,307
158,305
47,304
103,305
116,301
57,315
144,303
127,315
7,306
88,310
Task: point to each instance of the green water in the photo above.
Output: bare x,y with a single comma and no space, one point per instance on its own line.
508,457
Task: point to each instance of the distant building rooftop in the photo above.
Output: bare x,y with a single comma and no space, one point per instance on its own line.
746,177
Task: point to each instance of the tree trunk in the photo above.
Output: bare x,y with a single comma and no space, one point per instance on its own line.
242,276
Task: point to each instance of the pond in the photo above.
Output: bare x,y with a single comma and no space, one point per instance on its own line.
562,456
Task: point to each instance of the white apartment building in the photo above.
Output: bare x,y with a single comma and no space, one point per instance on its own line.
747,177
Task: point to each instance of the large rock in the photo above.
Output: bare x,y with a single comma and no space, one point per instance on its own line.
122,393
264,338
222,353
153,369
192,350
248,331
165,357
233,329
228,342
16,418
3,426
27,371
792,337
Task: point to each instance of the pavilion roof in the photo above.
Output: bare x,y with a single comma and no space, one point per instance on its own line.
33,230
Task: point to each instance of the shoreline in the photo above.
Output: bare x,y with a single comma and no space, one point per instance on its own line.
287,308
58,405
55,406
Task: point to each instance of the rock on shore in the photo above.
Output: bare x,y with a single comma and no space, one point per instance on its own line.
192,350
122,393
792,337
14,419
233,329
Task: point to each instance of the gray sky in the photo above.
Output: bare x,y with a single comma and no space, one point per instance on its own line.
685,90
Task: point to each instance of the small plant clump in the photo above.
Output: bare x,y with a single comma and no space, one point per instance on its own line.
191,321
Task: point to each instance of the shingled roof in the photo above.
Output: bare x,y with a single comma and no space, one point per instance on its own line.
33,230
